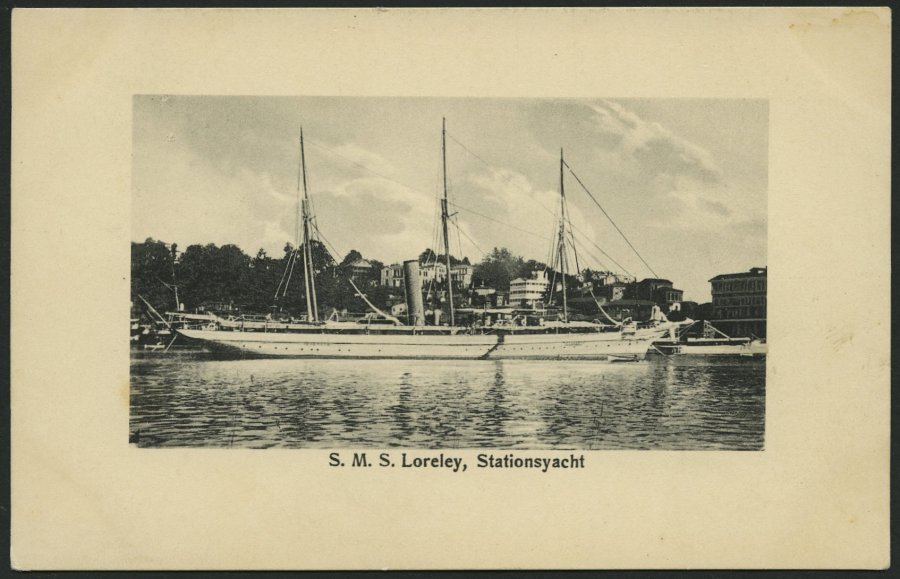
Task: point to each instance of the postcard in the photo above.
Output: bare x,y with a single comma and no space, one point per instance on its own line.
450,288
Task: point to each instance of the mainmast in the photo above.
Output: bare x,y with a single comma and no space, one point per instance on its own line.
308,268
562,235
445,216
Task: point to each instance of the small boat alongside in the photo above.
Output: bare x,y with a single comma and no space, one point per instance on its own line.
711,342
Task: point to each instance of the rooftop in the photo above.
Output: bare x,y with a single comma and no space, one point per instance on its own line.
754,272
631,303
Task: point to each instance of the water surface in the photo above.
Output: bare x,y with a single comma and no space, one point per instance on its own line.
689,402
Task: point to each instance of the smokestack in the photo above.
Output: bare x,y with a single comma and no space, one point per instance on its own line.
414,292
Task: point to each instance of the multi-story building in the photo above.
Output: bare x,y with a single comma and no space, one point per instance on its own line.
604,278
362,269
392,275
528,292
434,271
659,291
739,302
668,297
462,274
610,292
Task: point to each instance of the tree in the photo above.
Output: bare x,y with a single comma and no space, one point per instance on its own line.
151,269
531,266
427,256
351,257
263,280
498,268
215,274
321,257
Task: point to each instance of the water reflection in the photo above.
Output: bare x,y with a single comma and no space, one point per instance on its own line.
675,403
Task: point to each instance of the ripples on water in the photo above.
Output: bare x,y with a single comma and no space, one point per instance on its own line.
691,403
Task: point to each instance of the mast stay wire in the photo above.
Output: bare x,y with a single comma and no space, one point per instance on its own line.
555,214
377,174
467,210
472,241
597,203
574,229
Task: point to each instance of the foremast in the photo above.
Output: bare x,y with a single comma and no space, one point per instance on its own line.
309,279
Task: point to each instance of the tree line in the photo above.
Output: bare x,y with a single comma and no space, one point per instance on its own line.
205,275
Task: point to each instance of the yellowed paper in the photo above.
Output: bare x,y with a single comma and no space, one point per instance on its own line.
816,497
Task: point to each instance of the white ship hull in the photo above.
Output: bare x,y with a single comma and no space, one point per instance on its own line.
605,346
611,346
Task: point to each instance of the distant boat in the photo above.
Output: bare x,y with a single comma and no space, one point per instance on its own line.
385,336
712,342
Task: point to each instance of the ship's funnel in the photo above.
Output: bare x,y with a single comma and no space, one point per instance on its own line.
414,293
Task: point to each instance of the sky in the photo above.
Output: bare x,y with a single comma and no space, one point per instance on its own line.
685,180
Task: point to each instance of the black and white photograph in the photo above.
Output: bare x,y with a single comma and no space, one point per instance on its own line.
320,272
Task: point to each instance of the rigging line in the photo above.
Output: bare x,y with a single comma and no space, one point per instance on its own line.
592,242
608,256
489,166
552,250
287,264
595,259
575,253
456,225
321,238
435,234
469,151
472,241
498,221
591,195
574,247
288,282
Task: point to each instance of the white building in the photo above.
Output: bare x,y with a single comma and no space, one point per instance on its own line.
604,278
462,274
392,275
432,272
528,292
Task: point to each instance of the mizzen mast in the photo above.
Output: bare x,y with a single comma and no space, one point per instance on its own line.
562,234
445,216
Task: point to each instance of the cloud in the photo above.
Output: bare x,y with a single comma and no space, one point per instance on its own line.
529,216
680,185
715,207
649,148
679,177
380,218
361,156
179,196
